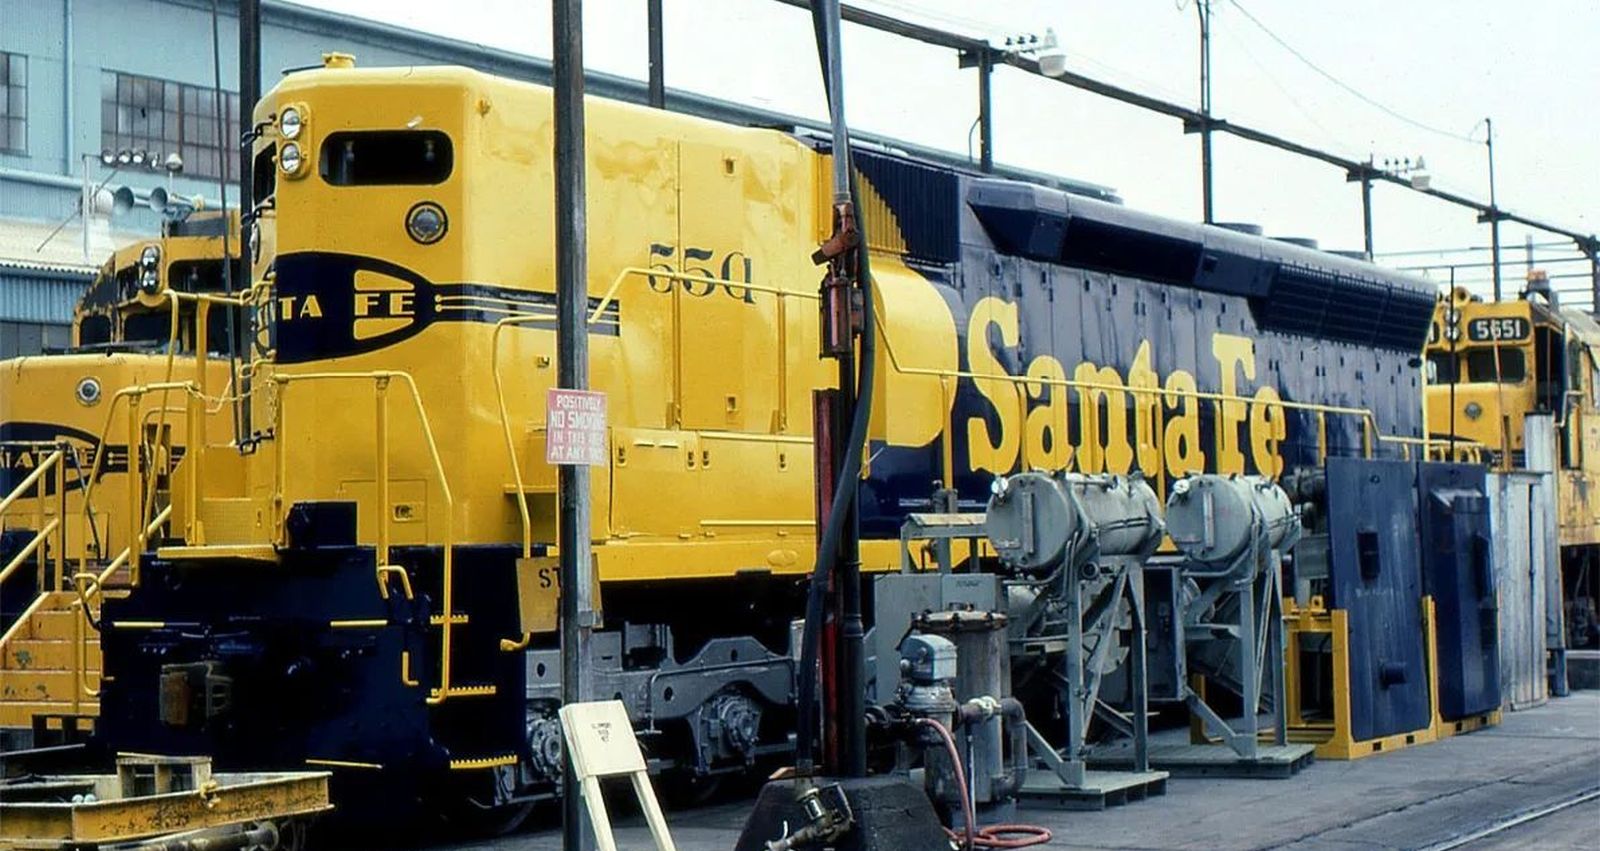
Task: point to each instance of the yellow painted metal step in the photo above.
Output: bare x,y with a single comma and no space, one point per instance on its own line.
39,685
55,625
20,713
23,654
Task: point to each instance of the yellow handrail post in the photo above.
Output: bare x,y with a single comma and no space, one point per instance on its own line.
196,428
280,472
43,555
61,514
381,394
135,492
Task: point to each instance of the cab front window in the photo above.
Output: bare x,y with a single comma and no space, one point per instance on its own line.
1482,366
386,158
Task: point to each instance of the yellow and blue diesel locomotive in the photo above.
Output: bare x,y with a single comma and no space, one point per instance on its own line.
1492,365
133,326
349,585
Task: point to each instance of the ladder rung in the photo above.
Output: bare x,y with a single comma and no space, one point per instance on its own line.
481,762
469,691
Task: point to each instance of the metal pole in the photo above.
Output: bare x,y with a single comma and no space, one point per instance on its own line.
86,207
1203,8
658,71
1594,274
572,372
249,93
1494,207
1366,210
850,720
985,112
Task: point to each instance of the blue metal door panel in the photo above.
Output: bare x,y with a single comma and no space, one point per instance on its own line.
1457,571
1375,577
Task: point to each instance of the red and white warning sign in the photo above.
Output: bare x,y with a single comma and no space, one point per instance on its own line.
575,432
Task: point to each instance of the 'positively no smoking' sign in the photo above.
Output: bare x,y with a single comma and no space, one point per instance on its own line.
575,422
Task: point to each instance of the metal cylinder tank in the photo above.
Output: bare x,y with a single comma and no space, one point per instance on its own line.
1216,519
1037,520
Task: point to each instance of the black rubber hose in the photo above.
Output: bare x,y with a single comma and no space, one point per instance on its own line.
847,484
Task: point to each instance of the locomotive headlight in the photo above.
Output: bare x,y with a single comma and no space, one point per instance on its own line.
290,123
87,392
1473,410
426,223
289,159
150,270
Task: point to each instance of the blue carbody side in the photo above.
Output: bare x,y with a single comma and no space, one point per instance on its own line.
1457,572
1094,281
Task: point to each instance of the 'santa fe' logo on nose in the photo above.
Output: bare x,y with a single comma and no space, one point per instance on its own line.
335,305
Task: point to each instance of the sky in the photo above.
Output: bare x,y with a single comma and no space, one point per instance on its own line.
1391,80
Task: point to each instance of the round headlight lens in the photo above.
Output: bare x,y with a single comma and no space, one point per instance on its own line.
87,392
1473,410
289,158
149,257
426,223
149,281
290,123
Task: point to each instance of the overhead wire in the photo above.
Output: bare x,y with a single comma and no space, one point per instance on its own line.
1346,87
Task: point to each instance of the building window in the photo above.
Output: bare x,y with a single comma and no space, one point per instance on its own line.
13,103
162,117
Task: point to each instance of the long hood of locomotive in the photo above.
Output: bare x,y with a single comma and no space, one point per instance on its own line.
1128,313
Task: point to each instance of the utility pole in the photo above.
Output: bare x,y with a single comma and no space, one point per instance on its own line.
1203,8
985,112
658,71
1494,207
249,93
572,373
1366,208
1594,276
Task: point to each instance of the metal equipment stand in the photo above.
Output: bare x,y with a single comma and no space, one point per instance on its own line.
1084,649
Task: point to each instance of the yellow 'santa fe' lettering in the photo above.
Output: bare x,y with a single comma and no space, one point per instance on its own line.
1233,354
997,455
293,307
1137,422
1048,446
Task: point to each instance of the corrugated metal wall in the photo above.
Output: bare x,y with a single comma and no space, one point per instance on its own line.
42,297
36,308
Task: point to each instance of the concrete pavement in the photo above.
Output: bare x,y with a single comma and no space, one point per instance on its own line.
1407,799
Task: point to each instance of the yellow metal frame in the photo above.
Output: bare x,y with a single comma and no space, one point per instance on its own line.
233,799
1334,739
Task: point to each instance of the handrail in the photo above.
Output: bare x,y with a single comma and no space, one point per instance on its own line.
630,271
160,520
54,462
29,481
381,378
80,638
505,427
135,508
22,555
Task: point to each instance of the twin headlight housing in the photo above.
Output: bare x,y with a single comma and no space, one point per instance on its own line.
150,270
291,127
